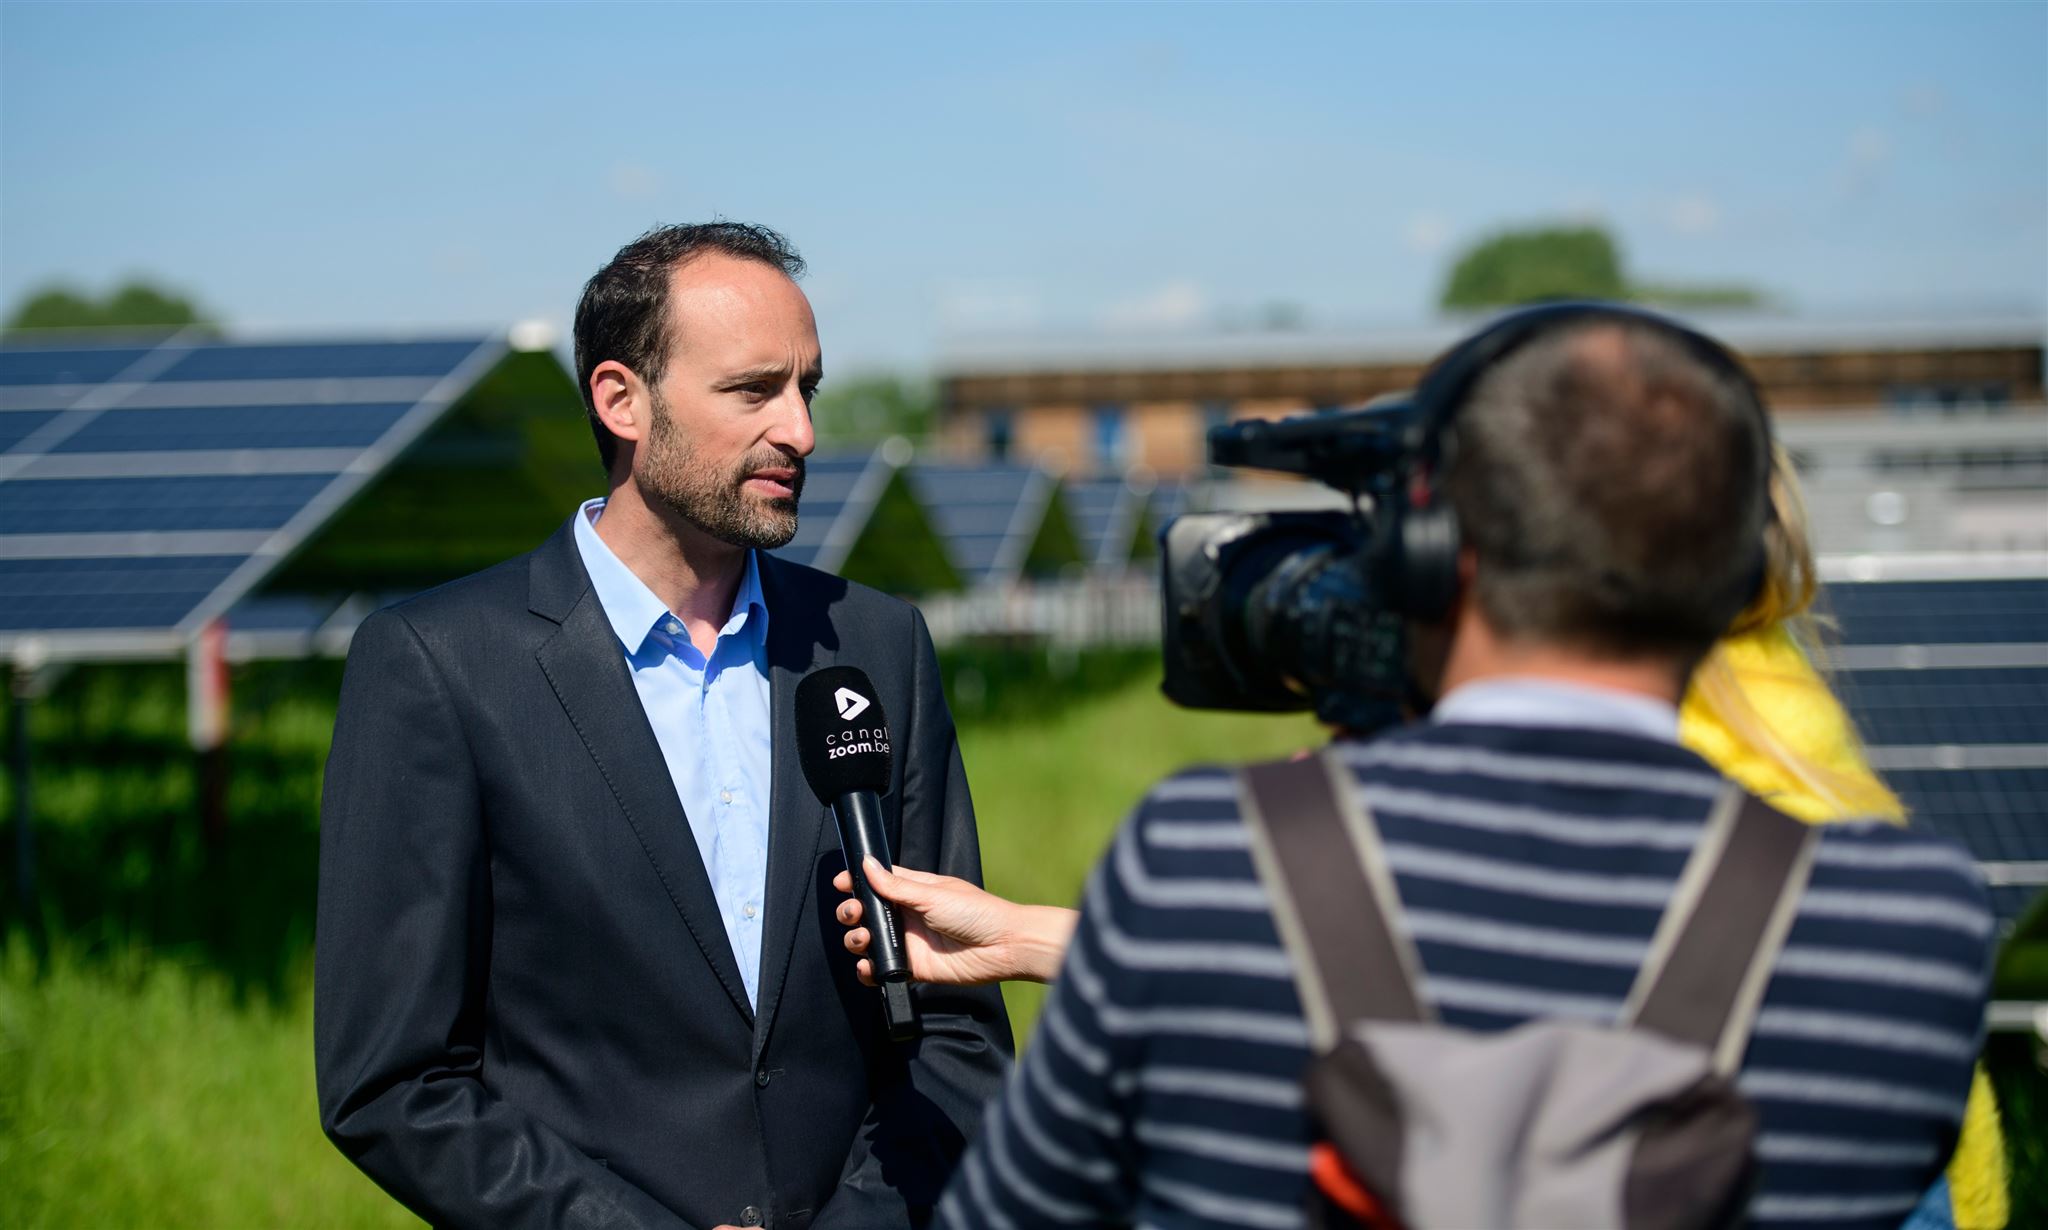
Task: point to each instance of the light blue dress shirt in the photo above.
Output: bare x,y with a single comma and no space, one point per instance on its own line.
710,717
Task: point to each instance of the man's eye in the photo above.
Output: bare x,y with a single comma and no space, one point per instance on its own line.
810,394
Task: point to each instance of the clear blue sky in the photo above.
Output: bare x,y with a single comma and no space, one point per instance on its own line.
952,169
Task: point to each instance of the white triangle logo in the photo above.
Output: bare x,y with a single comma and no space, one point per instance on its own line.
851,703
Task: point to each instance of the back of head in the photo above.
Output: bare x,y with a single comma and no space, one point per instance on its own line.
1612,482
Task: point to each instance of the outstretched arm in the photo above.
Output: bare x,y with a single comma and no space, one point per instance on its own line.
955,932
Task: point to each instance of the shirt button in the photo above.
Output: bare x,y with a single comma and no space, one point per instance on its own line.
749,909
750,1216
725,796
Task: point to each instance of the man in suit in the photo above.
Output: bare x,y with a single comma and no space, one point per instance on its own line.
576,962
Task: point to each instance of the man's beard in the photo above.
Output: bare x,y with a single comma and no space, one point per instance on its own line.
718,503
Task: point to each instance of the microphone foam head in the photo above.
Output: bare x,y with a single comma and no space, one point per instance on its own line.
842,735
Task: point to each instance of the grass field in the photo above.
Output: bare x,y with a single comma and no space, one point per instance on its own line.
156,1035
156,1045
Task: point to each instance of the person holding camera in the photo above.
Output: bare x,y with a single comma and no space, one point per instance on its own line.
1547,895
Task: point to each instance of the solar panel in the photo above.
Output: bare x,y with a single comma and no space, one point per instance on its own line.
1995,812
1947,682
840,490
298,613
173,428
17,426
1936,707
985,515
37,595
143,490
1096,507
154,505
65,365
1940,612
320,361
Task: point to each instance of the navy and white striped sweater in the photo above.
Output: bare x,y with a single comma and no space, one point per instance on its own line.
1532,866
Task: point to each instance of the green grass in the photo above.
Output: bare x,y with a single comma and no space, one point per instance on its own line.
139,1091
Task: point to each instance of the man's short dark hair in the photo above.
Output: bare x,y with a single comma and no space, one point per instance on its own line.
623,314
1613,485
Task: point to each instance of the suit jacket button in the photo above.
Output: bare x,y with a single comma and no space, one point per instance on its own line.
761,1079
750,1216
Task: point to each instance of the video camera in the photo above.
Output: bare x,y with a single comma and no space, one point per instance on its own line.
1277,611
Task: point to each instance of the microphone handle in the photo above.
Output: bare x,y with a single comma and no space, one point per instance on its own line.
862,835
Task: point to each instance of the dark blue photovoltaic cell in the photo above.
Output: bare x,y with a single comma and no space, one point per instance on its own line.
1947,706
280,613
65,365
134,505
828,485
1092,506
1997,813
153,592
233,427
973,509
1168,500
1939,612
328,361
17,424
2009,901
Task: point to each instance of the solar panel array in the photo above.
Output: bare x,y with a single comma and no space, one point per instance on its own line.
840,491
1097,509
145,488
987,516
1948,683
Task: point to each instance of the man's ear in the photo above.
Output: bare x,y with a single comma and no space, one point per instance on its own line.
621,400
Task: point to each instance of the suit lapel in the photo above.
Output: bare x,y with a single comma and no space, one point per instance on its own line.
800,640
587,670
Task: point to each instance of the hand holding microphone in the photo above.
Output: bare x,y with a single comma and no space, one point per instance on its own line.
843,744
958,933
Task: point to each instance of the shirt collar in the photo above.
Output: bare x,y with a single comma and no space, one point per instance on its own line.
1522,701
633,610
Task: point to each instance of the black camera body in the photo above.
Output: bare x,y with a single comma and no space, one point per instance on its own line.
1280,611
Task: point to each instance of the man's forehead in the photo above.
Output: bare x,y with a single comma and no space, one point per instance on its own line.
722,282
724,303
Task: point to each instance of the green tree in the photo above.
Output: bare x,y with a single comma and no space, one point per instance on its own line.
864,409
136,306
1534,263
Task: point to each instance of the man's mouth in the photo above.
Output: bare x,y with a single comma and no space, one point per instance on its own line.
776,482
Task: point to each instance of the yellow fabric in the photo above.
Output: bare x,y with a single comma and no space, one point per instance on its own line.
1978,1186
1759,712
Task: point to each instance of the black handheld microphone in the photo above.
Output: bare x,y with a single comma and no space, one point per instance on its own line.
842,741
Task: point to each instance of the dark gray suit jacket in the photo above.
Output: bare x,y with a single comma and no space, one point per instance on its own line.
527,1011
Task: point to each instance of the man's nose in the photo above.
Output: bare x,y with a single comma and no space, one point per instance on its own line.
792,429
